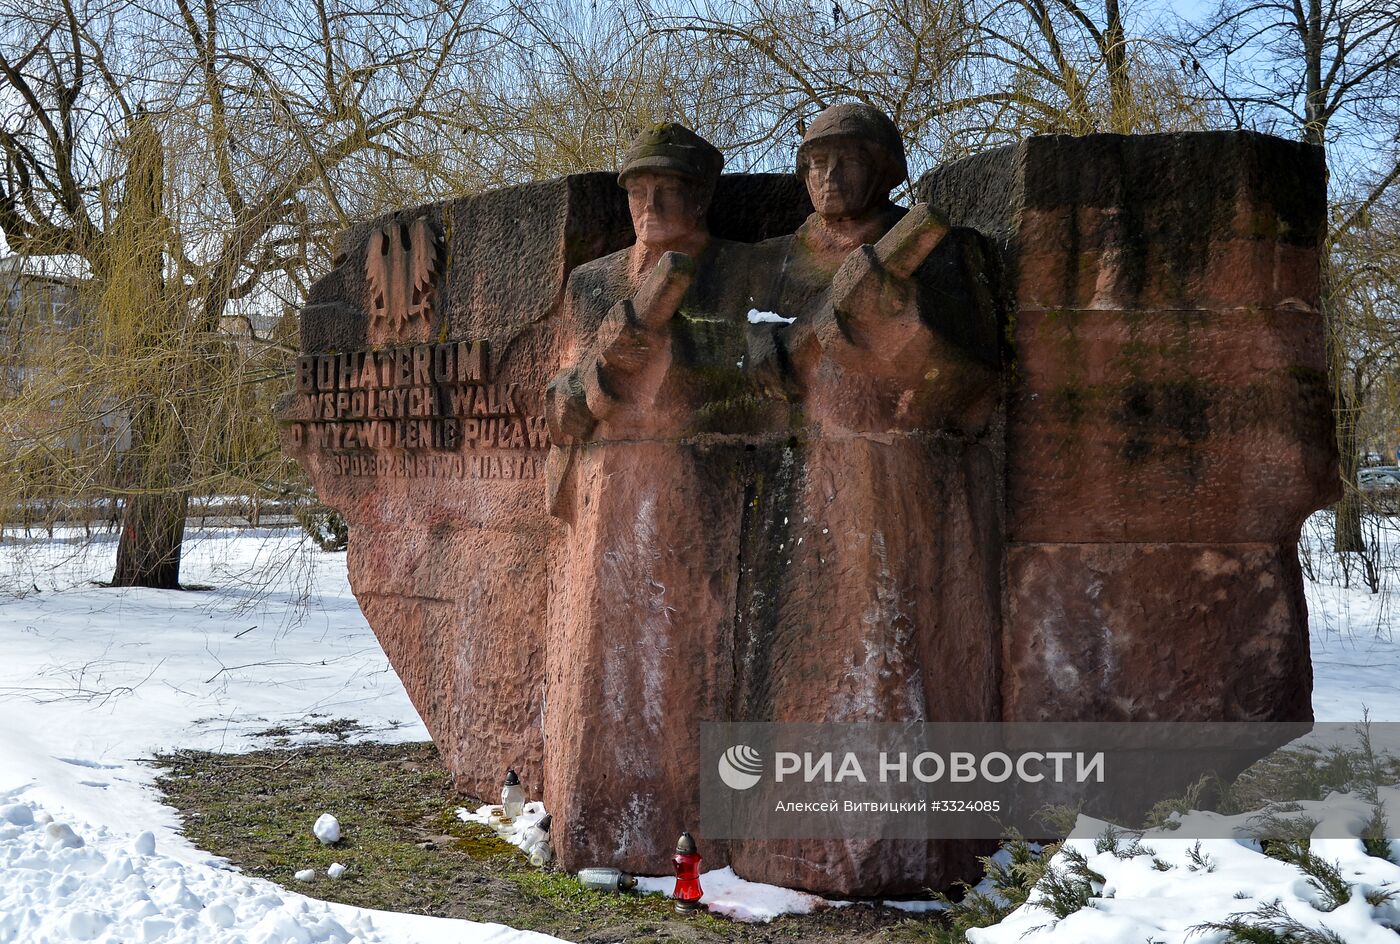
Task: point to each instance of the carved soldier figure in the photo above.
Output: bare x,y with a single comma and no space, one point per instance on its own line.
642,598
886,599
622,306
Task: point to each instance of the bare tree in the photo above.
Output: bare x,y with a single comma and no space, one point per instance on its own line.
191,160
957,77
1327,71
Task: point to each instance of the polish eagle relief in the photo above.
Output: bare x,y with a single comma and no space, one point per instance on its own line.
403,266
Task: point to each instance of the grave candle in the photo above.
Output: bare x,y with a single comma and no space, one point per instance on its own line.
512,797
687,862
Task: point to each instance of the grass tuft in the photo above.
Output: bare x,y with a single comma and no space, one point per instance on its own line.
1324,876
1200,862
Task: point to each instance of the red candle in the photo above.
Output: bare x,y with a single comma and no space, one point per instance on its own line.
687,862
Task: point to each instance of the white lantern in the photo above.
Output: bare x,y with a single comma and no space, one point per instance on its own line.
537,833
512,797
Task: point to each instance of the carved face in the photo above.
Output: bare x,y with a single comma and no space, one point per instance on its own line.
666,208
840,179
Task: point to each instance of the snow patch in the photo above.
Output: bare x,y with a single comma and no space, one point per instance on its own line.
94,680
767,317
727,894
1183,883
144,844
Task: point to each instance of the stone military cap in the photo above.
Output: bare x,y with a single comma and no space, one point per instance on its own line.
672,148
869,126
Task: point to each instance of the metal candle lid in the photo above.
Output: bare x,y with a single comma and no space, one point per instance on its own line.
512,778
685,845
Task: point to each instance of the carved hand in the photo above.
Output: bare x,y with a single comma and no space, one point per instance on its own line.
566,408
629,332
660,295
874,300
872,294
578,397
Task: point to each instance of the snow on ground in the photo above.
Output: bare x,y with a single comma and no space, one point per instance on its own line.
1355,652
724,892
93,680
108,889
727,894
1355,633
1174,885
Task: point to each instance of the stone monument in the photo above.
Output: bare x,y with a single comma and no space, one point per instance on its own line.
620,456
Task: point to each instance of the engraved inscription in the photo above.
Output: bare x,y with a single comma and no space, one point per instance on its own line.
429,410
480,466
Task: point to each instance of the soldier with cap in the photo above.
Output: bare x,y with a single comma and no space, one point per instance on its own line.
666,297
642,596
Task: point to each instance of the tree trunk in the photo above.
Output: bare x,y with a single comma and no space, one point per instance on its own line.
1348,515
1315,100
137,299
1120,90
153,517
153,535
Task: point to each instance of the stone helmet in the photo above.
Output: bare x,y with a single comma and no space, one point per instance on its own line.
864,124
673,148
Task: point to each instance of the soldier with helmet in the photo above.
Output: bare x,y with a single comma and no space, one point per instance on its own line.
866,321
851,157
885,603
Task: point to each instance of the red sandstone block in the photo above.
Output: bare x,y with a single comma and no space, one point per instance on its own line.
1083,258
1167,426
467,608
1095,633
1064,486
1054,347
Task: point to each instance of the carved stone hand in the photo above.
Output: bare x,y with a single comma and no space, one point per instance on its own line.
872,295
579,396
566,408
